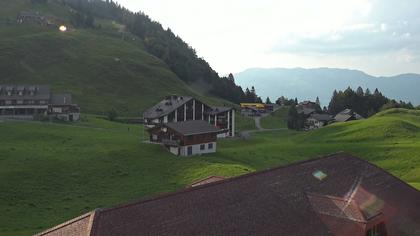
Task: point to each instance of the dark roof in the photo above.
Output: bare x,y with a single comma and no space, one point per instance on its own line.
41,92
192,127
347,115
304,110
218,110
321,117
166,106
307,103
290,200
343,117
61,99
347,112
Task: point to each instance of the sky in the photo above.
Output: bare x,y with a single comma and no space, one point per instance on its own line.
380,37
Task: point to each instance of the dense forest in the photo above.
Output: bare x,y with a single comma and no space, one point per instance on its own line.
364,102
162,43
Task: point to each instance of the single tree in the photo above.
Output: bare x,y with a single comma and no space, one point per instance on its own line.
359,91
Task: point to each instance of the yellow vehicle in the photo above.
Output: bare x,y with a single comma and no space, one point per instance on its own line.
258,106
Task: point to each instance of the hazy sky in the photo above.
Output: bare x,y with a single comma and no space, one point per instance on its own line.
381,37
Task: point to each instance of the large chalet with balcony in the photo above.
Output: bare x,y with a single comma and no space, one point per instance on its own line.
36,102
187,138
175,109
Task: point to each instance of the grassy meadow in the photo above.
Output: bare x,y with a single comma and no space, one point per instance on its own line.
52,172
276,120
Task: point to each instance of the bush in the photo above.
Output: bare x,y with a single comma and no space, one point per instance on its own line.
112,115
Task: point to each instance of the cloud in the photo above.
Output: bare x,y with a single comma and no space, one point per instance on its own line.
377,36
356,39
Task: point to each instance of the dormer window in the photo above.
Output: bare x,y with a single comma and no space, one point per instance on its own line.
20,93
9,93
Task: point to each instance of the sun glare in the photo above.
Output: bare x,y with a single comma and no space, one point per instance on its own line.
63,28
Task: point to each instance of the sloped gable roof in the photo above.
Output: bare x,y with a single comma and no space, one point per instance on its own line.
192,127
166,106
274,202
80,226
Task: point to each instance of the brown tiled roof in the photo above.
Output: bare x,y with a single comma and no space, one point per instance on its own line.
280,201
337,207
192,127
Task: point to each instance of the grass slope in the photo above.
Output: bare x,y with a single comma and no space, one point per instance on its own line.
52,172
102,70
276,120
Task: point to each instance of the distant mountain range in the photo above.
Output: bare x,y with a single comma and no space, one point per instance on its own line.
307,84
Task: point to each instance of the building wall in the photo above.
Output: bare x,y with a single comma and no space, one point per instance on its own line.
196,149
174,150
196,139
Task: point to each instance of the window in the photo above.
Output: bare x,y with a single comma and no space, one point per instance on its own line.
210,145
374,231
202,147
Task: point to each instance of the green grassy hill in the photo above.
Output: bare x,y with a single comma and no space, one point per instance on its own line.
276,120
101,69
51,172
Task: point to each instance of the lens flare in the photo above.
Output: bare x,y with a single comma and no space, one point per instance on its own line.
63,28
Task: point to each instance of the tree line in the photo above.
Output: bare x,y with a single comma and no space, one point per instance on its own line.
363,102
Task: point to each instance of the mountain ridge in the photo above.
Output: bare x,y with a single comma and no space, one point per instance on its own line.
307,84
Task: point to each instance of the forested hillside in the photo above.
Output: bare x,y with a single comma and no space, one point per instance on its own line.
164,44
109,58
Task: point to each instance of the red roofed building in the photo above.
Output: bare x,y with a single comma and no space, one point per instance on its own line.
332,195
